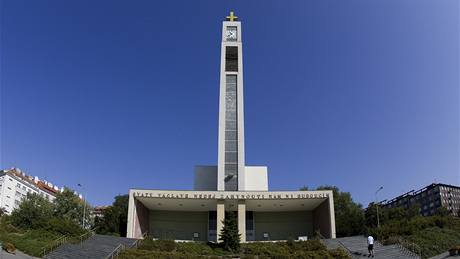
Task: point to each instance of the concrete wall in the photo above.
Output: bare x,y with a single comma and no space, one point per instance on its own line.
179,225
256,178
205,178
141,222
283,225
324,219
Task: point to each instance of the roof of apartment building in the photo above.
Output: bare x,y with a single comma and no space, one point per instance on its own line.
416,192
35,181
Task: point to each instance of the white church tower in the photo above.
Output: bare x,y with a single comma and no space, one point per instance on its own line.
231,173
230,169
230,186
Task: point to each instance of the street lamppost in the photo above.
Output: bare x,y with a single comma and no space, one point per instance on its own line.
377,206
84,206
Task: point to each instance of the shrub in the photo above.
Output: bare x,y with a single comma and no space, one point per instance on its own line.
144,254
267,249
311,245
197,249
30,242
434,240
64,226
339,253
158,245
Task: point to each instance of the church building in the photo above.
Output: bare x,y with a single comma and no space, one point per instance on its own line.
231,185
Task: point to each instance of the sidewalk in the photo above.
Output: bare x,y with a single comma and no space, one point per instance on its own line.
18,255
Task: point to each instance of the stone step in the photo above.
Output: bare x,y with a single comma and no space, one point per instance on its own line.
97,246
357,246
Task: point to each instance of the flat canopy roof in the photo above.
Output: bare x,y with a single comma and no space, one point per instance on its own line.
207,200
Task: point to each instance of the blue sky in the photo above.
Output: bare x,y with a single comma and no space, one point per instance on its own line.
123,94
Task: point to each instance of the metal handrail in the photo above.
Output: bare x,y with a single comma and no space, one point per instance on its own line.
409,248
139,241
54,244
116,252
64,240
339,242
350,253
86,235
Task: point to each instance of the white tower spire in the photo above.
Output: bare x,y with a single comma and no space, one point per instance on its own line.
231,165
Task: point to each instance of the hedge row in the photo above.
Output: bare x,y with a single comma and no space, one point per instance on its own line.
312,249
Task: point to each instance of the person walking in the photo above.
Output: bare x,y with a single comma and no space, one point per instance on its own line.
370,245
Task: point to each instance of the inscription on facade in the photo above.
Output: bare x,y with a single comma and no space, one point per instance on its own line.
230,195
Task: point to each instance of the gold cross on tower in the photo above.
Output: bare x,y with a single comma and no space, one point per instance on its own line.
232,17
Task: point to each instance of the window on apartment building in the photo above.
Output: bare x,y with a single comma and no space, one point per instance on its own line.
18,194
24,188
18,185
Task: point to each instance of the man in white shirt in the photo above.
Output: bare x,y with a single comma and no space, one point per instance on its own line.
370,245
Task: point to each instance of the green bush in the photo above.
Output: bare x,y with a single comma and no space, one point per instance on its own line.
310,245
319,254
197,249
434,241
266,249
158,245
339,253
312,249
144,254
64,226
30,242
433,234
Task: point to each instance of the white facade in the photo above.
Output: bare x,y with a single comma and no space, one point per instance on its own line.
14,186
256,178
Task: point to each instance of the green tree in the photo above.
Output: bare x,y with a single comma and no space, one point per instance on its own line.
397,213
413,211
349,215
229,235
115,218
370,215
33,212
121,205
304,188
69,206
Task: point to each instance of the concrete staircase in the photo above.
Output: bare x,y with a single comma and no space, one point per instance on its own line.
95,247
357,247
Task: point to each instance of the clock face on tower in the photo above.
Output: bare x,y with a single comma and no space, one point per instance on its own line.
230,34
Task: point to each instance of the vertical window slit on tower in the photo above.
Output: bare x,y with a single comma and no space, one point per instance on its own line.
231,134
231,59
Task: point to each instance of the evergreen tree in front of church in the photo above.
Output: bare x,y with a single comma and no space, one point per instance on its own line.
229,235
